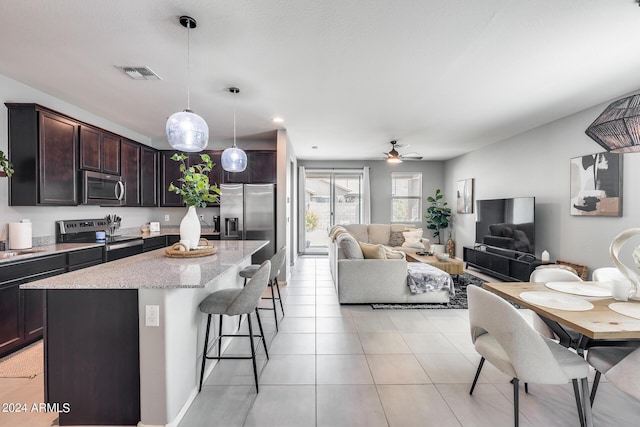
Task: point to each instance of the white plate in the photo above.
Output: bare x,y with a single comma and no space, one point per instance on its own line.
556,300
588,289
631,309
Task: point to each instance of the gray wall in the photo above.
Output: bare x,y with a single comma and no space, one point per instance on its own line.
536,163
380,176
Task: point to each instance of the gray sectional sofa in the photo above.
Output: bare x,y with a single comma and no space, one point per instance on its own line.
362,281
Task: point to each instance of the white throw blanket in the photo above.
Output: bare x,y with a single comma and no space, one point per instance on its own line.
423,278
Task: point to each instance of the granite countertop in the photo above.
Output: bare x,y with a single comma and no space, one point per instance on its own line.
54,248
153,270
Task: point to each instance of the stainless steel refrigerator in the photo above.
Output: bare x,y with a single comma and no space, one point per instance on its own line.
248,212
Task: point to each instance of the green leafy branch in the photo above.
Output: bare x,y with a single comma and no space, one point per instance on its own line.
194,186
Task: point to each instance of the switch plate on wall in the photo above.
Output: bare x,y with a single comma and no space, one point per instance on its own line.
166,218
152,315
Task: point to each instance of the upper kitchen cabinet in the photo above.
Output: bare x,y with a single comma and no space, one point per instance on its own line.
99,150
261,169
130,172
149,177
169,172
43,149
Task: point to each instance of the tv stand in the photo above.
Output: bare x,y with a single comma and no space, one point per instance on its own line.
502,263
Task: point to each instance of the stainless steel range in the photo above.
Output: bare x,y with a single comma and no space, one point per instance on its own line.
95,230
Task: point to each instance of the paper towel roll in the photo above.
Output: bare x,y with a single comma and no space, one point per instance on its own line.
20,235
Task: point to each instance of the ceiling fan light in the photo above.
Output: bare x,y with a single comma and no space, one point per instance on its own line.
187,131
234,159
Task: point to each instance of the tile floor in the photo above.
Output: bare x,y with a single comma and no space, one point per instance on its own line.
333,365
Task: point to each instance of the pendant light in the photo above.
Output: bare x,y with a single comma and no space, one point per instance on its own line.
187,131
234,159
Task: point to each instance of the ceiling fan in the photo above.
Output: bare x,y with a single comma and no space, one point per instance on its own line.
394,157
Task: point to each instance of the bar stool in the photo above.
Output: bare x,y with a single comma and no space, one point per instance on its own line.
277,261
234,302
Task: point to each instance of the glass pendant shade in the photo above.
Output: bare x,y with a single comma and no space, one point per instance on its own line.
187,131
234,159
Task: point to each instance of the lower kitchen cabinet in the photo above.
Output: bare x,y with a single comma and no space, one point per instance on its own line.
21,310
152,243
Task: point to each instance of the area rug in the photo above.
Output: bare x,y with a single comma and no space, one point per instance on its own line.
25,363
459,300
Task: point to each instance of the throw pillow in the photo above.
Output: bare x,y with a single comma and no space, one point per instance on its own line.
412,239
349,246
391,254
371,251
507,232
396,238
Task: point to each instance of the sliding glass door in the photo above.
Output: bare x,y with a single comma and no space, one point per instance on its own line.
330,197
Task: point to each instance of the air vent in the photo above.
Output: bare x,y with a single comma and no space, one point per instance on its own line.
139,72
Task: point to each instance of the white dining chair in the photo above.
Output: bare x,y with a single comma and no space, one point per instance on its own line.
553,274
603,359
625,375
501,335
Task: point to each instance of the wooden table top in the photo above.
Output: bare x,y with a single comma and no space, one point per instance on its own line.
597,323
452,266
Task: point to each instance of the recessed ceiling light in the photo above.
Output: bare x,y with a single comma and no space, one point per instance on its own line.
278,120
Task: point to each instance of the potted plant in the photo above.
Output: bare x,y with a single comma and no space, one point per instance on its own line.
196,192
438,217
6,168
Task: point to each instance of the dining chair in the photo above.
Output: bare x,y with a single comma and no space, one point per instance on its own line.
603,359
567,338
625,375
501,335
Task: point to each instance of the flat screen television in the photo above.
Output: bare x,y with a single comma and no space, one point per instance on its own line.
507,223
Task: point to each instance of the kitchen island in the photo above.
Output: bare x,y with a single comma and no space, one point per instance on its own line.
123,340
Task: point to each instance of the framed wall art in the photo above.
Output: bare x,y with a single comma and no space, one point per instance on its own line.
464,196
596,185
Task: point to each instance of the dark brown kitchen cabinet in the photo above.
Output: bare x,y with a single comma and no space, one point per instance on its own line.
43,149
130,172
149,177
169,172
99,150
22,310
261,169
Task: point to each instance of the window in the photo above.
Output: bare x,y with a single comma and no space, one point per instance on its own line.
406,197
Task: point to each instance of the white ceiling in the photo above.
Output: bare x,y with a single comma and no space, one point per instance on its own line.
348,76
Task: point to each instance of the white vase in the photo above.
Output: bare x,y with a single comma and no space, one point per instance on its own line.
629,273
190,228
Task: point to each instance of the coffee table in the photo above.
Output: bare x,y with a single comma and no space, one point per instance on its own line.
451,266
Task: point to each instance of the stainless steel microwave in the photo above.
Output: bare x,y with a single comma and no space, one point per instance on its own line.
102,189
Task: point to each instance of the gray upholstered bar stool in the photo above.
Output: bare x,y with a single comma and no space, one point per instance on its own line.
277,261
236,302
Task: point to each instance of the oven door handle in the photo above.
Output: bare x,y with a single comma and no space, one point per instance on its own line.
119,185
113,246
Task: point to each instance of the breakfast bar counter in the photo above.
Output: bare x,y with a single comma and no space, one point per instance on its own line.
123,340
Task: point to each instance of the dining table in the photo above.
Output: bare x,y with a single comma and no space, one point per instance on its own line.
591,316
598,323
